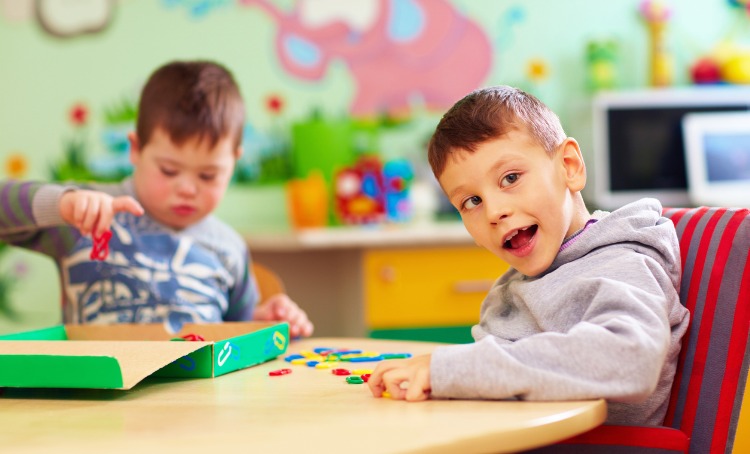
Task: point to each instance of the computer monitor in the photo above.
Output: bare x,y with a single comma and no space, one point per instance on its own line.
717,147
638,141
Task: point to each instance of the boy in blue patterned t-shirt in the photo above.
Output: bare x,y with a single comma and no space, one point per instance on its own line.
169,259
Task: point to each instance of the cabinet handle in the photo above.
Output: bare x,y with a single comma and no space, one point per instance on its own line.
388,274
475,286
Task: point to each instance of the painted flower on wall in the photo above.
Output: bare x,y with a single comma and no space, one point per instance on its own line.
537,70
78,114
267,153
16,166
275,104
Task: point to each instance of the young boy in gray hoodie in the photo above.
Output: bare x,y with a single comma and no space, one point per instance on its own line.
590,306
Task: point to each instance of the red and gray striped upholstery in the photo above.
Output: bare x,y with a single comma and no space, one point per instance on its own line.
713,367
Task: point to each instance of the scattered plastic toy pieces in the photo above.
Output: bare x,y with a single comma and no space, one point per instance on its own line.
193,337
100,246
276,373
329,358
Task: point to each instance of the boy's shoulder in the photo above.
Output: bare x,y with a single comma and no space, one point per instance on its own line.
637,228
216,231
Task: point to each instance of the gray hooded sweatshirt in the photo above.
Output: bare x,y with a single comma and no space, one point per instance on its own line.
604,321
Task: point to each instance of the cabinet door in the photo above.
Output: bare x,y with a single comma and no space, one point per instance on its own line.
424,288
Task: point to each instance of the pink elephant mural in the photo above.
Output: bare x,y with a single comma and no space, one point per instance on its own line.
395,50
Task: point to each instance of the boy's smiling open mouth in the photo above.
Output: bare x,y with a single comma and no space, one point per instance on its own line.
520,238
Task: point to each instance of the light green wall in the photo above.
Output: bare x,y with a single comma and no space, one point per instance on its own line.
42,76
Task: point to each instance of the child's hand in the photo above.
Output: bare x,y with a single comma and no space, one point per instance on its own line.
91,212
407,379
281,308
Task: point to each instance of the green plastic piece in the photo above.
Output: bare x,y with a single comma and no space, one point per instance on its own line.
354,380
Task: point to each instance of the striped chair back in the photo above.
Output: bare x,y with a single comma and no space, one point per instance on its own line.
712,370
713,366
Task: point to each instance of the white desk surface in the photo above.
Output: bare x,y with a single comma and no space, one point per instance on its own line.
307,411
381,235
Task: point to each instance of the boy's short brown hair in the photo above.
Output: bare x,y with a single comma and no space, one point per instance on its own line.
191,99
488,113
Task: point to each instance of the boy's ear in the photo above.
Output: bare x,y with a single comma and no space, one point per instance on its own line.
238,152
573,165
135,148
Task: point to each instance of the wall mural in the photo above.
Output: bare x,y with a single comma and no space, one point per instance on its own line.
62,18
399,54
197,8
395,50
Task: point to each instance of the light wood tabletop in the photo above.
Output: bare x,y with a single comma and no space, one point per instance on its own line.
307,411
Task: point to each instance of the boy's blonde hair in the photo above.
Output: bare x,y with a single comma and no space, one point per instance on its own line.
191,99
488,113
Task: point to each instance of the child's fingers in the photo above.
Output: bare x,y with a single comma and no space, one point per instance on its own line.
79,212
301,328
307,329
91,215
419,386
105,220
393,381
127,203
375,382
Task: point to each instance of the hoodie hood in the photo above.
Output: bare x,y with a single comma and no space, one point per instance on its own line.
639,226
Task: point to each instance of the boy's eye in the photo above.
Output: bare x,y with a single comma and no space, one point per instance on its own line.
168,172
207,176
471,202
509,179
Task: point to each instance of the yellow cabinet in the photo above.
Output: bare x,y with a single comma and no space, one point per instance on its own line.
427,287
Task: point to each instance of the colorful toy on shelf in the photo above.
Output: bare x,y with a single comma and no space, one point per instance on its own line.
369,192
727,63
397,178
602,64
360,197
307,201
735,67
656,15
705,70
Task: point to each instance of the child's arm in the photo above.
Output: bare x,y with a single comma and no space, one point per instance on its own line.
406,379
280,307
32,215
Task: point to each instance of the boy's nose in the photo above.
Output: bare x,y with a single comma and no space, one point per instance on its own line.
496,210
186,187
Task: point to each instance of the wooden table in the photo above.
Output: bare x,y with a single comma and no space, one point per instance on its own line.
307,411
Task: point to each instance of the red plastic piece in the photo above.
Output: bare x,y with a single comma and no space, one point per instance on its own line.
276,373
100,248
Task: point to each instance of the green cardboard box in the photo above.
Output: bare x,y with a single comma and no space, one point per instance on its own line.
120,356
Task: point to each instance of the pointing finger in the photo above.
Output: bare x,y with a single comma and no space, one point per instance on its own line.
127,203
